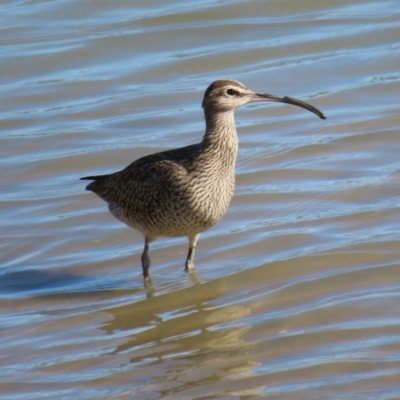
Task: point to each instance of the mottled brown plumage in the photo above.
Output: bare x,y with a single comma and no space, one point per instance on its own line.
184,191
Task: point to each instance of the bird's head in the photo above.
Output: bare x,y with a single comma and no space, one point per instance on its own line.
228,95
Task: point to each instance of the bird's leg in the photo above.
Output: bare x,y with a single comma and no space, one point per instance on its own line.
145,258
189,265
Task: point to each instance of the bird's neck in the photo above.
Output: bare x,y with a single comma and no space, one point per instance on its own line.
221,136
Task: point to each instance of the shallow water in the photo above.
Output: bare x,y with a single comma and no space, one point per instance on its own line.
298,287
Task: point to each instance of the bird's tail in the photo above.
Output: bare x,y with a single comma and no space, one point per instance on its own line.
93,178
93,185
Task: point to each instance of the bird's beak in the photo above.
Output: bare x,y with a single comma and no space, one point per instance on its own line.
288,100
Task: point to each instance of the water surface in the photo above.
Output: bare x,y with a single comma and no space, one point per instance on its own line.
298,287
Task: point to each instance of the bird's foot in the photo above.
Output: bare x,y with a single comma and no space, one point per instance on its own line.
189,266
148,285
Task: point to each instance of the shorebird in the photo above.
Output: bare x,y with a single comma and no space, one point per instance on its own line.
183,192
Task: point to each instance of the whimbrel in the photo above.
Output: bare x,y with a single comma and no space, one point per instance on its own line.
183,192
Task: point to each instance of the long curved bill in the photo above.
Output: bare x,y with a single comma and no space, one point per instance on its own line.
288,100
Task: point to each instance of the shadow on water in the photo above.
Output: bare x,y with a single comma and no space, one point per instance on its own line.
54,286
37,281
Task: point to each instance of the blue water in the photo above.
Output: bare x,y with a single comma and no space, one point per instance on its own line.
297,288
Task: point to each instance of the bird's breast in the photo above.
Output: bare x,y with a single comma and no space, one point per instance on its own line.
211,196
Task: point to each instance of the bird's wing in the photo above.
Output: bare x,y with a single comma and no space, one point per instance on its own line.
144,185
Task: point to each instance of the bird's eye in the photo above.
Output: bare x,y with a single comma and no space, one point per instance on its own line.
231,92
